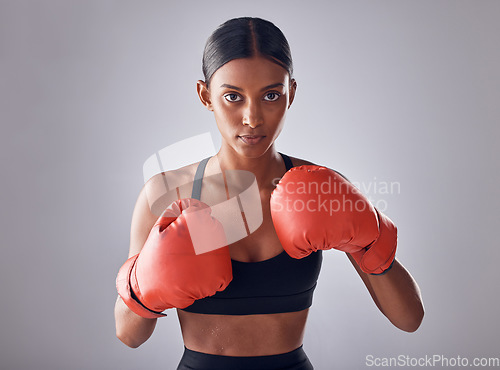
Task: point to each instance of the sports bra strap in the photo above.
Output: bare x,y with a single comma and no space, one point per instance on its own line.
200,171
198,178
288,161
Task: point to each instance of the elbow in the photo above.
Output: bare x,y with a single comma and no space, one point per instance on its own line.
131,329
413,322
410,327
128,340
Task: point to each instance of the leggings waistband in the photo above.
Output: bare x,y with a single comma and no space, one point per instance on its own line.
294,360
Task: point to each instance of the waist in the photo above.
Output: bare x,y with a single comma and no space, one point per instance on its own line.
247,335
295,359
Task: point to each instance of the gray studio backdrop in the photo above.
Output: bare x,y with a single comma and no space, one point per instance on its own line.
389,92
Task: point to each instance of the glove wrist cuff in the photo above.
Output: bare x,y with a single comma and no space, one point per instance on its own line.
379,256
127,294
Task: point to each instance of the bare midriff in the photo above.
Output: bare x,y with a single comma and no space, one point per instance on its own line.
243,335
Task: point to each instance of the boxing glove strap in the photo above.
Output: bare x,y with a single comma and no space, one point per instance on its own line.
383,272
127,294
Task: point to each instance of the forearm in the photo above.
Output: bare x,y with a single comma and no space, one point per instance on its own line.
132,329
397,295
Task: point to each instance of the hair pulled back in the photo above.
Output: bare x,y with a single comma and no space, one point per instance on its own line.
244,38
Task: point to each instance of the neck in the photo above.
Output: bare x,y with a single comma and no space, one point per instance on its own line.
266,168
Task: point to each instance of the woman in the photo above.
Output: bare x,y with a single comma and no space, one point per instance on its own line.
247,305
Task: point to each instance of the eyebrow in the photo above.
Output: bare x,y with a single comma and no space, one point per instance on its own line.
264,88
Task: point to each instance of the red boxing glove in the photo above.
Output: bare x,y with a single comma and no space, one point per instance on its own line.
316,208
168,272
379,256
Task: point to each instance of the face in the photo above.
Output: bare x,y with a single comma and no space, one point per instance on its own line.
249,98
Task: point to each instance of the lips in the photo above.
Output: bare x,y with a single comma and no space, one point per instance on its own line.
251,139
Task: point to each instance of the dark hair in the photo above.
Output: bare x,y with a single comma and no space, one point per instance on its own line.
244,38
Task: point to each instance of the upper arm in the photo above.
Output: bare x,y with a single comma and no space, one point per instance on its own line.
142,222
157,194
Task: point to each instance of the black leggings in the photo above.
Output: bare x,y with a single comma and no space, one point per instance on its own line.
294,360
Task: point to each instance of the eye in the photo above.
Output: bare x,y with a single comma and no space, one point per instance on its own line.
272,96
232,97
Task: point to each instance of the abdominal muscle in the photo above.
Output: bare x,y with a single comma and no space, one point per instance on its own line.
243,335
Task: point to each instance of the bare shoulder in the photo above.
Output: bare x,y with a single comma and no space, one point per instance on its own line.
158,193
166,187
173,178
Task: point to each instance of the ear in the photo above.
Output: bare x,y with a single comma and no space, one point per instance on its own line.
204,94
293,88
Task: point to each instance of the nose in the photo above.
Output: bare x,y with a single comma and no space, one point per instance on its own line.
252,114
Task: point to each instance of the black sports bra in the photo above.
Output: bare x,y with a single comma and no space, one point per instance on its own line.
279,284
